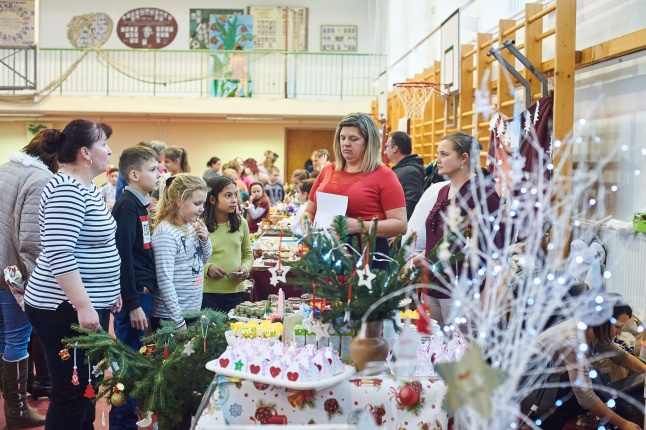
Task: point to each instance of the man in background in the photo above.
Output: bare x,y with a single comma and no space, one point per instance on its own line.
408,167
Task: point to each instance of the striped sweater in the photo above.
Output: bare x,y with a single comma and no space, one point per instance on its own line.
76,234
179,261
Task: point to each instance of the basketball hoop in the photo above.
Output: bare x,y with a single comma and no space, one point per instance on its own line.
414,96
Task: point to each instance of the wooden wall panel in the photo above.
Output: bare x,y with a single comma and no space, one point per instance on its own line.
299,144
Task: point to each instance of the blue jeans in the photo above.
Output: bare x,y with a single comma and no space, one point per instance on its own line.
125,417
15,329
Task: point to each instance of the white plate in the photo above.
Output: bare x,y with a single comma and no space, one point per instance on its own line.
314,385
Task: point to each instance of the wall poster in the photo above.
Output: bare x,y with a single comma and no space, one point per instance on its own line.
199,25
339,37
231,33
147,28
17,20
278,28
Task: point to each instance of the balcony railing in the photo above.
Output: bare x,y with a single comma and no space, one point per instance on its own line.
168,73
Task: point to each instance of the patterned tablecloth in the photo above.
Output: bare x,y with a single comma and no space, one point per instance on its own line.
394,404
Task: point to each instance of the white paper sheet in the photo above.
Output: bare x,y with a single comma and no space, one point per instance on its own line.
327,207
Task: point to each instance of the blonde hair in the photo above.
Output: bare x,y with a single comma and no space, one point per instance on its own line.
369,131
177,192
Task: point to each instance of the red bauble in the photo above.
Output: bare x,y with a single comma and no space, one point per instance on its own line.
331,406
407,396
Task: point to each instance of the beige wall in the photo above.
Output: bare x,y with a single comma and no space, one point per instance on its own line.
202,140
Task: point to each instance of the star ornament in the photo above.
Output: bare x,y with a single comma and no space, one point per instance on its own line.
278,275
471,381
239,365
188,349
366,277
320,329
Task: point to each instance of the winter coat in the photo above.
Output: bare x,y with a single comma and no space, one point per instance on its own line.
22,180
410,172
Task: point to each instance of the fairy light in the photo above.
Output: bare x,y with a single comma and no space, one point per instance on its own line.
537,281
593,373
550,276
592,202
637,172
558,402
598,299
530,301
624,148
550,246
643,151
561,281
614,188
611,403
579,259
581,325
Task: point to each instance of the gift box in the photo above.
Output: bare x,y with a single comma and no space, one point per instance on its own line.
639,222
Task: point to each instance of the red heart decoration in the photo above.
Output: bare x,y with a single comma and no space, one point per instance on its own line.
329,360
319,366
224,362
292,376
274,371
254,369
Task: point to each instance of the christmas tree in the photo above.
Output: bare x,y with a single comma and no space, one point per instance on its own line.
336,267
168,375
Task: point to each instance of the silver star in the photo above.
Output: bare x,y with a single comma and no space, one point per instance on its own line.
96,370
366,277
278,275
188,349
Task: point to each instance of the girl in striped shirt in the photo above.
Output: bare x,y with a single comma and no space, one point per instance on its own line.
181,247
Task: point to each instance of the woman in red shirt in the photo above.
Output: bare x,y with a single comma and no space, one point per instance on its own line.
372,188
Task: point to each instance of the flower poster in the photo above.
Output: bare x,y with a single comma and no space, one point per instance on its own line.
199,25
234,35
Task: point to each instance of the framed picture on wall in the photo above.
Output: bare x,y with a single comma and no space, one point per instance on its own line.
340,38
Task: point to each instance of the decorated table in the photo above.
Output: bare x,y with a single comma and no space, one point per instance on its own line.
396,405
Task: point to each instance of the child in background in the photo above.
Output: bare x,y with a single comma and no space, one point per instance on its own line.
181,247
259,206
109,190
273,188
138,165
175,161
303,197
232,257
298,176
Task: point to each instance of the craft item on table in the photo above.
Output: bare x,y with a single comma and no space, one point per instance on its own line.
257,366
406,349
320,329
334,360
408,314
227,358
13,277
275,369
322,364
296,373
471,382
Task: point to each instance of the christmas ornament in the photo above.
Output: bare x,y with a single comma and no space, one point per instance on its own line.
366,277
320,329
64,354
278,274
118,398
204,330
146,350
75,374
188,349
470,381
146,420
89,390
238,365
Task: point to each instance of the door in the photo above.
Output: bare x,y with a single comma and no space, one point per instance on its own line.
299,144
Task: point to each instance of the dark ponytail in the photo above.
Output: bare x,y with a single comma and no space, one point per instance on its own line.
76,135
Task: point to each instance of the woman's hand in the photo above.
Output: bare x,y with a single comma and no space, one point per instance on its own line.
116,307
201,230
354,226
88,318
216,272
241,273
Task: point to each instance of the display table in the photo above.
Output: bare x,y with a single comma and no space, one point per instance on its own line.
395,405
262,288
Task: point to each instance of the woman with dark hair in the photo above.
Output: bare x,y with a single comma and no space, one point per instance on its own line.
372,188
22,180
571,346
213,170
76,279
232,257
457,160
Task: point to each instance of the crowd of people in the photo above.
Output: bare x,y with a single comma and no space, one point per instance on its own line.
157,240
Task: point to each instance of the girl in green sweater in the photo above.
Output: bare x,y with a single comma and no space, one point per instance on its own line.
232,257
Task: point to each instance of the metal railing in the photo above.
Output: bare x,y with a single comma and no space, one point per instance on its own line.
159,73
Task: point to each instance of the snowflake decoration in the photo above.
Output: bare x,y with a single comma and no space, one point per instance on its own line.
538,105
188,349
366,277
501,128
235,410
528,121
492,123
278,275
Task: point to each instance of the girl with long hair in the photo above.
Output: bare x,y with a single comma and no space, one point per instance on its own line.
257,206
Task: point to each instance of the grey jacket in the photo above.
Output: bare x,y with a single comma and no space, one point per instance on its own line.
22,180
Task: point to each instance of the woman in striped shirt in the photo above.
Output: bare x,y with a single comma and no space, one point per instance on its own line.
181,247
76,279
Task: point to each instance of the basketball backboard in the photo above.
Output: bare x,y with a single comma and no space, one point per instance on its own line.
450,54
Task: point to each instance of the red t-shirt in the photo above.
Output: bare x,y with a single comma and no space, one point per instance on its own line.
369,194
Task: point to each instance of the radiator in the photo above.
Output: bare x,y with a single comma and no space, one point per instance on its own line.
626,261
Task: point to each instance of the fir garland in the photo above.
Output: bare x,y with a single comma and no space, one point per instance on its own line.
162,376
